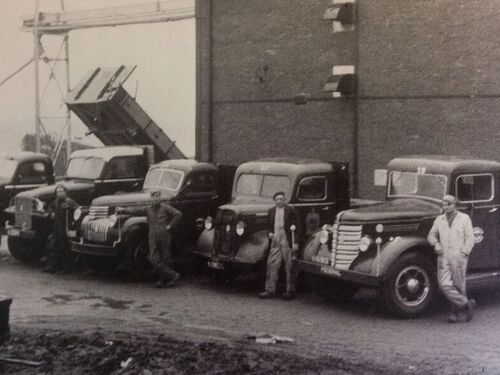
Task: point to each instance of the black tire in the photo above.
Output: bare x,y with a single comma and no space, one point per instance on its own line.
332,290
142,268
25,251
410,286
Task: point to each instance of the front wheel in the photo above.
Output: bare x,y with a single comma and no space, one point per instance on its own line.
410,286
141,266
24,250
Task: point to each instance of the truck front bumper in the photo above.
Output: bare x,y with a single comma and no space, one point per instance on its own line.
334,273
96,249
220,262
15,232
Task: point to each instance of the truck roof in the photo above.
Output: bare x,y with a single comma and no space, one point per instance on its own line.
107,153
442,164
288,165
24,155
186,165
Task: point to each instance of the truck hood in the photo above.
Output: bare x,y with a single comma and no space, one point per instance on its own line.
127,200
47,193
394,210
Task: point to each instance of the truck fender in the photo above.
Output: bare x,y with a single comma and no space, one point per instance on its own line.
254,248
205,243
136,221
392,250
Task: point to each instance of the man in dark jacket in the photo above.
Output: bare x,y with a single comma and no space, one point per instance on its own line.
161,219
283,224
58,255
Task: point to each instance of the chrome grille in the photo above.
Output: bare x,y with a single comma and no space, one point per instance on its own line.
345,245
96,230
23,212
98,212
225,235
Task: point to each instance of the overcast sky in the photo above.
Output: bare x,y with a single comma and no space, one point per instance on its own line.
165,74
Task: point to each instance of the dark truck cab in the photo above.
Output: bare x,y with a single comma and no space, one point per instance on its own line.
385,245
194,188
21,171
90,173
237,238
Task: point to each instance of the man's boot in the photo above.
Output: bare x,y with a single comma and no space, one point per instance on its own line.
454,316
469,310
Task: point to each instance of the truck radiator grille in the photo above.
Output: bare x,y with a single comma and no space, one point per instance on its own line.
345,245
225,235
96,231
23,212
98,212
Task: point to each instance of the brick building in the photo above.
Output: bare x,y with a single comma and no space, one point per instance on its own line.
428,81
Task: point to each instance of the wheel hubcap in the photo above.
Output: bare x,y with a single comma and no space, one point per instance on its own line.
412,285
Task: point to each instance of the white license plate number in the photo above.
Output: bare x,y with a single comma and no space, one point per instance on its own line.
14,232
215,265
71,233
330,271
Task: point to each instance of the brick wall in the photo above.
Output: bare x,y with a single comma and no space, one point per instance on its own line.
428,81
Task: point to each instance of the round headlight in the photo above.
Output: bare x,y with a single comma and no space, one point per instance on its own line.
240,228
208,223
293,228
77,214
113,219
323,237
365,243
379,228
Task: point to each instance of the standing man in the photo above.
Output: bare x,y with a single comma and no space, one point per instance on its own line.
59,258
452,238
283,223
161,219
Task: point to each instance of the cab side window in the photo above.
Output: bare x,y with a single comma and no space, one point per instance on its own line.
475,188
32,173
201,183
125,167
312,189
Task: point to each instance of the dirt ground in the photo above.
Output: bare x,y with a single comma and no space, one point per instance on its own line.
124,353
92,323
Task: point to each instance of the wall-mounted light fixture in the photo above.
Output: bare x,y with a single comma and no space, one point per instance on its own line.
342,15
342,81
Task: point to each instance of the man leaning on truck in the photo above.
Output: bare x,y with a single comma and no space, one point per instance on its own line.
161,219
452,237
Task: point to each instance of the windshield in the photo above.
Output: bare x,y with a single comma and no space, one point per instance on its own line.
163,178
249,184
417,184
7,170
88,168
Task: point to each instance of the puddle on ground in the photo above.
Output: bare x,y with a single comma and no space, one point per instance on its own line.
106,302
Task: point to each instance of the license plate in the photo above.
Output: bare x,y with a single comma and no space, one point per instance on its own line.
330,271
71,233
215,265
13,232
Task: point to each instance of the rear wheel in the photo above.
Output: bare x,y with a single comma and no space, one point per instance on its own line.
332,290
410,286
25,251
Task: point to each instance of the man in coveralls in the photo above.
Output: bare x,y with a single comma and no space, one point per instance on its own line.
161,219
284,246
452,238
58,257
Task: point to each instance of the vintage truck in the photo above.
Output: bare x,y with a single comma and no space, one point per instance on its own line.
236,239
89,174
21,171
194,188
384,246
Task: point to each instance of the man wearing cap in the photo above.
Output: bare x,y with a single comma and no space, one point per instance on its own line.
283,224
161,219
452,237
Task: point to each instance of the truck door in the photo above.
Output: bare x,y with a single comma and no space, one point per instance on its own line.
29,175
476,197
313,204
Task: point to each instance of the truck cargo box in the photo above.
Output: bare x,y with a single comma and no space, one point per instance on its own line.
114,116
